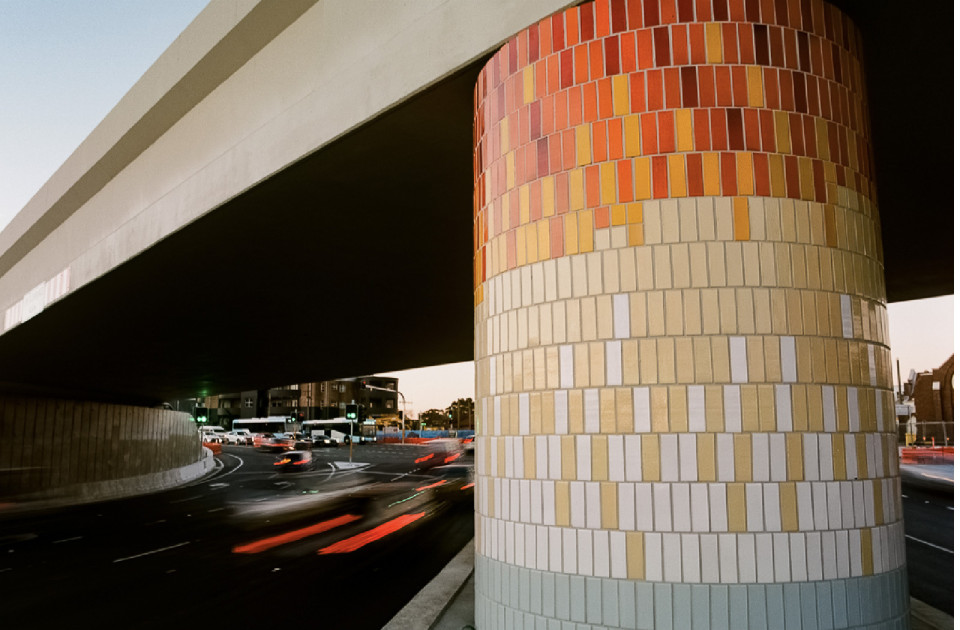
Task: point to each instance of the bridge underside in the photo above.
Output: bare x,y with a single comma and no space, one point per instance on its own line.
358,258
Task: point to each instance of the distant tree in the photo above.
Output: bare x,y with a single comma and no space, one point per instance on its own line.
460,413
434,418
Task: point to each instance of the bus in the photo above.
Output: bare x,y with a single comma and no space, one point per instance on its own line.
340,430
273,424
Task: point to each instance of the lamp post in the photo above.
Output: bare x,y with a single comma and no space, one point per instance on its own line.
403,419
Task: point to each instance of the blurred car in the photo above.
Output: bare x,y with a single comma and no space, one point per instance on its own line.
469,442
238,437
275,442
323,441
302,441
294,461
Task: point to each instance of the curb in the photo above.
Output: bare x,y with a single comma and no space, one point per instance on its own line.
427,607
926,617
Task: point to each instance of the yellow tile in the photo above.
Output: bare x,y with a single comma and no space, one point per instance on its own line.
586,230
571,242
755,370
528,85
866,550
546,196
576,189
659,410
598,452
676,166
843,422
736,508
677,397
839,457
641,178
685,361
650,457
714,43
720,353
798,404
536,418
767,405
547,413
794,457
636,564
806,178
861,443
814,406
504,136
634,213
711,174
823,145
584,156
666,364
754,86
742,457
608,182
501,457
575,411
706,457
568,457
635,235
741,219
562,489
511,168
618,214
684,120
781,126
631,133
608,410
530,235
631,362
702,359
745,173
621,95
624,407
878,501
543,239
788,507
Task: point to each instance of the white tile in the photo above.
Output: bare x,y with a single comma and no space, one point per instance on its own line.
829,542
696,409
882,421
553,450
601,554
784,408
569,550
859,515
746,558
584,458
499,512
671,558
556,549
669,459
591,411
525,501
725,466
718,507
804,507
653,557
497,428
662,507
788,359
493,377
618,555
644,496
494,445
514,500
798,558
764,558
710,559
814,557
633,462
869,513
690,552
843,553
728,558
771,507
846,317
530,546
820,519
681,507
621,316
811,457
738,359
524,414
754,494
847,519
614,363
872,440
578,513
566,366
826,456
850,453
778,457
518,463
731,408
688,457
615,458
536,502
781,557
853,409
872,365
541,457
592,492
641,409
584,552
829,409
509,544
699,507
501,541
549,503
761,457
626,506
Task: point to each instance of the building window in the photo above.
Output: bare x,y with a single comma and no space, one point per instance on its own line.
248,402
389,404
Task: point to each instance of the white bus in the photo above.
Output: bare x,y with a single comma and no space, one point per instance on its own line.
273,424
339,429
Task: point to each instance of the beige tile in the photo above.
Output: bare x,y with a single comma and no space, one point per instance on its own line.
624,411
745,311
742,457
749,408
720,351
711,311
650,457
659,410
728,311
762,314
666,365
794,456
673,306
713,400
685,361
706,457
767,406
736,508
598,458
636,563
648,361
680,261
656,321
588,319
798,404
734,258
598,376
609,513
716,264
644,268
788,507
608,410
677,397
562,502
574,328
699,276
575,410
604,318
630,353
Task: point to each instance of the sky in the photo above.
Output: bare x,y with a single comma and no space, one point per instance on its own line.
64,64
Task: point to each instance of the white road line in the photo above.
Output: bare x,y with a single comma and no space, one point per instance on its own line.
950,508
147,553
904,496
67,539
239,466
929,544
216,510
185,500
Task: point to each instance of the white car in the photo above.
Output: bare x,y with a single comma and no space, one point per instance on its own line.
238,437
209,434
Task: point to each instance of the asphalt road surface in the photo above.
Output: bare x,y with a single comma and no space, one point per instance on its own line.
928,520
333,547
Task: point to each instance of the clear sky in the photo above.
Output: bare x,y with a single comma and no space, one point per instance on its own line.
64,64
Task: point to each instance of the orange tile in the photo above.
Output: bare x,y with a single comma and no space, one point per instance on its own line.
751,128
570,18
569,142
575,106
581,64
598,131
637,92
728,34
556,155
604,98
761,174
596,59
745,37
589,102
593,186
644,49
706,86
678,40
741,219
694,174
602,25
666,132
615,138
648,133
771,88
625,180
739,76
654,90
718,129
560,119
724,87
628,53
601,217
659,177
553,73
556,237
698,49
671,88
668,11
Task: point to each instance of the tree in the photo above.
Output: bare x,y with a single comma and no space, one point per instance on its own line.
434,418
460,413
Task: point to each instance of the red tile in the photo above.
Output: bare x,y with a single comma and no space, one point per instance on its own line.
605,96
599,131
761,48
536,206
752,11
601,217
557,32
803,51
745,35
698,50
819,182
533,45
688,82
796,135
780,9
701,129
724,88
661,46
671,88
611,47
596,59
543,157
563,192
618,15
771,88
739,76
644,49
654,89
767,12
556,237
634,14
651,13
728,174
736,10
806,17
751,129
668,143
767,131
512,55
810,136
813,98
790,48
718,129
628,53
603,17
720,11
824,94
793,176
625,181
534,120
816,56
761,174
844,151
566,68
637,92
615,138
694,174
659,172
786,90
776,46
678,39
793,7
592,174
575,106
735,129
569,139
730,43
704,10
708,90
648,134
586,22
589,102
685,11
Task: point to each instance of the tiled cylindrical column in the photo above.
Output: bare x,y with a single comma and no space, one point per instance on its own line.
685,395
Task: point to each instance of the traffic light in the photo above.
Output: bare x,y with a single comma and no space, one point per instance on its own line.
353,412
361,384
200,414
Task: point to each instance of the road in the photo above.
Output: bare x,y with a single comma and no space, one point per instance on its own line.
348,546
928,521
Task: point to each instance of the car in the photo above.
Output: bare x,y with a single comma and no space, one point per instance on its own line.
469,442
294,461
276,442
323,441
238,436
212,435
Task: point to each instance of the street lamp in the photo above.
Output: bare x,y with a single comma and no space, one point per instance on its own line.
403,419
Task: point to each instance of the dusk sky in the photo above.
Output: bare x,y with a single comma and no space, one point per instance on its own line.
64,64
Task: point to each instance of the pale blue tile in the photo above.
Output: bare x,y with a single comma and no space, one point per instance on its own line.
681,607
514,587
611,603
645,616
791,605
808,606
756,607
738,607
824,606
524,599
548,581
700,605
578,598
594,601
663,606
563,596
536,592
839,603
719,607
775,614
854,617
628,604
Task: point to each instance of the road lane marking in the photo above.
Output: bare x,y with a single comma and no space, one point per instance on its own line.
950,508
929,544
187,499
216,509
147,553
67,539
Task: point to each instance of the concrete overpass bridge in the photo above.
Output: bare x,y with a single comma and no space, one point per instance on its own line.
286,196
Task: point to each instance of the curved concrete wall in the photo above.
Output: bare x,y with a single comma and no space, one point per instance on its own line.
66,450
686,403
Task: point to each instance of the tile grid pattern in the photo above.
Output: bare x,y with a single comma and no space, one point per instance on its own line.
682,351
